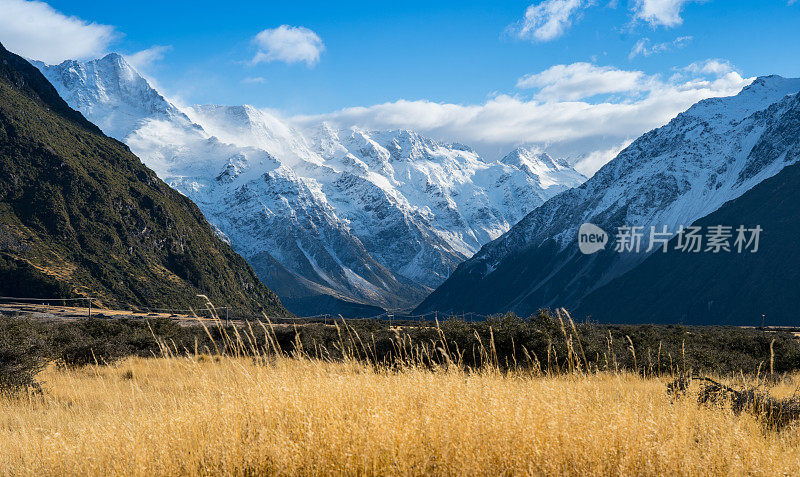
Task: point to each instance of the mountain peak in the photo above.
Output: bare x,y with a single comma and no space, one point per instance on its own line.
771,85
522,156
109,91
546,171
112,65
762,92
327,128
767,81
323,134
114,57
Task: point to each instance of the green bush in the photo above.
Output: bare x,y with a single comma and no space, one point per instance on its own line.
22,355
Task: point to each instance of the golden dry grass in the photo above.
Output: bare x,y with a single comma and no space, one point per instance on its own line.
231,416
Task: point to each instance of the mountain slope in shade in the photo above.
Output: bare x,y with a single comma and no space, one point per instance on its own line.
362,219
671,176
723,288
81,215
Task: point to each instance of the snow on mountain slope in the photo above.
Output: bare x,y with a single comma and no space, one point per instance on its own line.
110,93
422,207
252,127
419,207
369,217
671,176
281,223
549,177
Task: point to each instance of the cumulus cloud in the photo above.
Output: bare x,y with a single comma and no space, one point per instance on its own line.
144,59
582,80
584,131
547,20
38,31
644,47
666,13
288,44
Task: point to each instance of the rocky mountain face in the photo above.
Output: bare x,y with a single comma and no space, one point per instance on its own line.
80,215
335,221
748,288
671,176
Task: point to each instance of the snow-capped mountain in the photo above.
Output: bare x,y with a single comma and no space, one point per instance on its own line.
332,220
671,176
110,93
441,201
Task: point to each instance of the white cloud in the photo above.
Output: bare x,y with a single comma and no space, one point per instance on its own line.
144,59
711,66
582,80
593,161
644,47
254,80
288,44
546,20
584,131
37,31
665,13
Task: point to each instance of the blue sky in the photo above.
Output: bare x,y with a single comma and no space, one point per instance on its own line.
446,51
424,60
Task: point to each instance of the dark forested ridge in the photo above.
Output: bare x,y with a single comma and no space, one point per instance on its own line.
80,215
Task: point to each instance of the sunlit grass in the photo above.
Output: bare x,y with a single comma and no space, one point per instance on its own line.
234,416
250,409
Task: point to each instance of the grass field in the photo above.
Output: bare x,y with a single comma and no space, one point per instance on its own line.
201,415
244,401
